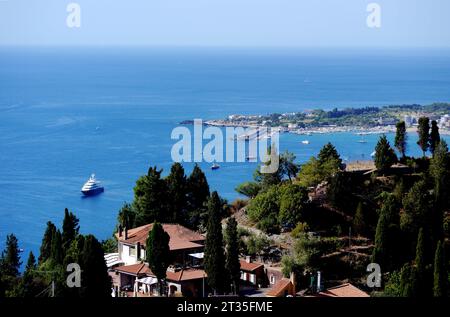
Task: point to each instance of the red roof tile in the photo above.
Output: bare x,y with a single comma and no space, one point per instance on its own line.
180,237
279,288
250,267
344,290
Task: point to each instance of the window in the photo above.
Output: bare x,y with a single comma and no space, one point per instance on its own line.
132,251
272,279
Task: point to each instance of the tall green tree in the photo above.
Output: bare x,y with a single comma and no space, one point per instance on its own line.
401,138
197,196
360,220
416,209
151,198
46,245
232,263
420,264
287,166
327,153
435,137
423,131
95,281
293,203
57,253
214,252
383,250
10,258
177,188
127,216
70,229
384,155
158,253
440,173
440,272
29,286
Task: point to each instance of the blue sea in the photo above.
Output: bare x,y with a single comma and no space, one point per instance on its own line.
68,112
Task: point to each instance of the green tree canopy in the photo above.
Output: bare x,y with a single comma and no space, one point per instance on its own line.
150,198
435,137
423,131
46,245
401,138
70,229
293,201
232,263
214,253
440,272
10,258
177,188
95,282
158,252
384,155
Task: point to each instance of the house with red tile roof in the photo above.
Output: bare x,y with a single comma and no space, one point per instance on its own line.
283,288
343,290
184,277
252,272
183,241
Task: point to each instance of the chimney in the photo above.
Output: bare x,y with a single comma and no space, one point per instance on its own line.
248,259
319,287
126,233
138,251
293,281
120,231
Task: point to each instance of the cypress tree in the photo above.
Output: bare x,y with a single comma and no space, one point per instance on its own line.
127,216
177,186
440,272
435,137
150,198
197,196
233,265
57,255
26,286
359,221
95,281
158,253
327,153
420,263
214,253
10,258
401,138
46,245
70,229
424,134
381,252
384,155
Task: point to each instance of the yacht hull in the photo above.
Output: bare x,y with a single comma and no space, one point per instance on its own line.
93,192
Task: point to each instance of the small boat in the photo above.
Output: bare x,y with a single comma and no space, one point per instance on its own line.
362,141
373,154
305,142
215,166
250,158
92,187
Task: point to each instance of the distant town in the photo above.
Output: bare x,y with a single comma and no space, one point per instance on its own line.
365,120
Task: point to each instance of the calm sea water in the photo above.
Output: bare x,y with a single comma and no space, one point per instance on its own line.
66,113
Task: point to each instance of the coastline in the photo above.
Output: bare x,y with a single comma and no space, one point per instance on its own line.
317,130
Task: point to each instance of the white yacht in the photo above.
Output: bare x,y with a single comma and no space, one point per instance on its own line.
92,187
305,142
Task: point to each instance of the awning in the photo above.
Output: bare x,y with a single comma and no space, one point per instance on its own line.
148,280
197,255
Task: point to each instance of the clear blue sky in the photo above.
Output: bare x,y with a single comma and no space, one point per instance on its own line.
273,23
